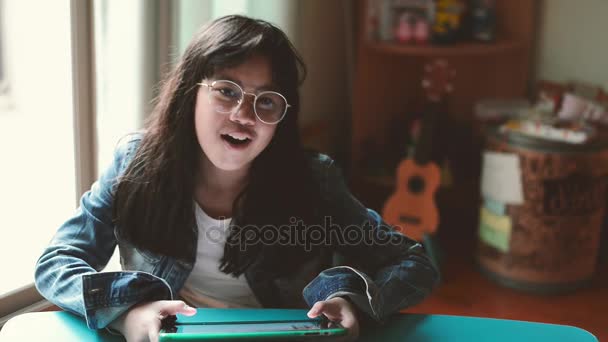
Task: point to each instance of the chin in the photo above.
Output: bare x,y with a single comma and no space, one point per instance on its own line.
231,165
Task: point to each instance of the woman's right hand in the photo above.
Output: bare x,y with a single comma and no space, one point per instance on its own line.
142,322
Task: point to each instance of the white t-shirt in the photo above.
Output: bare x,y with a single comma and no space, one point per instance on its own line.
207,286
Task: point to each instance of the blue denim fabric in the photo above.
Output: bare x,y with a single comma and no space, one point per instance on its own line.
379,278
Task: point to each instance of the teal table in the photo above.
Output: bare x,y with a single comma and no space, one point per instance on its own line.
63,326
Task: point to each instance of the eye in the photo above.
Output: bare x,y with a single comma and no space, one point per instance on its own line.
267,102
228,92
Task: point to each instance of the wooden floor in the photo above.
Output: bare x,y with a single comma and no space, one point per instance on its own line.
465,291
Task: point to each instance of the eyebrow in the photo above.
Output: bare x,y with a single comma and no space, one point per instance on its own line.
265,87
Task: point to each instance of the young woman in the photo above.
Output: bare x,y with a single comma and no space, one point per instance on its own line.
216,204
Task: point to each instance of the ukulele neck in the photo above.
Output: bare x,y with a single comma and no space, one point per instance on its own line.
424,149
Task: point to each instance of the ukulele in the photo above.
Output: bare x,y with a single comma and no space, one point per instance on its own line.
411,209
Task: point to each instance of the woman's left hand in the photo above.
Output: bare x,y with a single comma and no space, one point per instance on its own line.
338,310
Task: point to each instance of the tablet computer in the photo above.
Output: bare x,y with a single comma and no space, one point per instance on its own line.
248,324
260,331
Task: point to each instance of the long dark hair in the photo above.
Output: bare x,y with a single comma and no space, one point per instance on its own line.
153,206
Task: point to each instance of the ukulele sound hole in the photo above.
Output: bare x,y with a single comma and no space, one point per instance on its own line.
416,184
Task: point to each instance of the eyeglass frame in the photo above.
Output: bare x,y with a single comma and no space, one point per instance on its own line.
255,98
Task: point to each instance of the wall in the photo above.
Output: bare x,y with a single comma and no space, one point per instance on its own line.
573,43
324,42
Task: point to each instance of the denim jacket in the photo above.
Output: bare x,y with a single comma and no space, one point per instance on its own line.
379,278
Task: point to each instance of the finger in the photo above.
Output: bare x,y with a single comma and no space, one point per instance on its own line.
153,333
317,309
173,307
350,322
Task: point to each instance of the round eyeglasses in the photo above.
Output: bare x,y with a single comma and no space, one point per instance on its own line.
226,97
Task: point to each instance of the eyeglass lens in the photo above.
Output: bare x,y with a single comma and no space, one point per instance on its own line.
226,96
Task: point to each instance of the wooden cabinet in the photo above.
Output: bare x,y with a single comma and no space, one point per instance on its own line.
388,87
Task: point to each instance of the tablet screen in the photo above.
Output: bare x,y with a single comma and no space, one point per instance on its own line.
254,327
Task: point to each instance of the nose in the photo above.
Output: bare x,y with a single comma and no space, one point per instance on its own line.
244,113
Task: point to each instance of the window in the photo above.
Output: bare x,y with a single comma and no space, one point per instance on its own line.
37,167
47,138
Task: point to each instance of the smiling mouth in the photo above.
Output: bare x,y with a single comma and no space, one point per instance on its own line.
236,142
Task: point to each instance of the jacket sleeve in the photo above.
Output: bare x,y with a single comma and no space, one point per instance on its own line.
67,273
383,271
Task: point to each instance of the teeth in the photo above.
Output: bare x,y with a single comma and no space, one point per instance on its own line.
238,136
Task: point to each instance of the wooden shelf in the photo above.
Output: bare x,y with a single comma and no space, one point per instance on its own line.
387,87
454,50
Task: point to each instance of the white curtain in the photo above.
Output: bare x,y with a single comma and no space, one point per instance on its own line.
131,39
